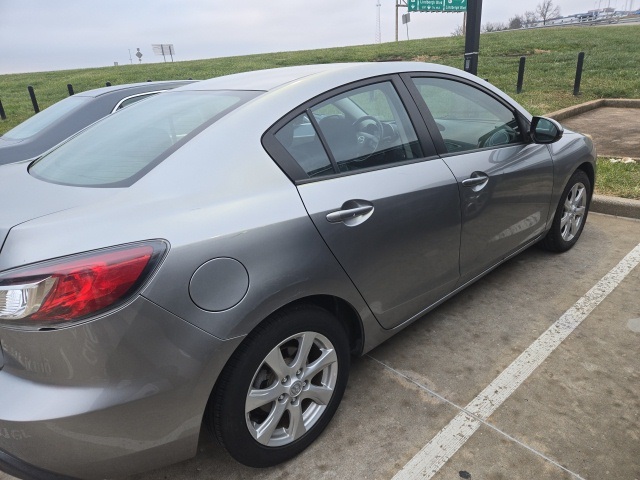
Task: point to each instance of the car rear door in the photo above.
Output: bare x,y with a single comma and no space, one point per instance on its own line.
505,181
385,204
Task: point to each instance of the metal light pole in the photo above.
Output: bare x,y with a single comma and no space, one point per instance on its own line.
472,40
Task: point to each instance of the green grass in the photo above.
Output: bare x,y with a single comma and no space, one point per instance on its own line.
618,179
611,67
611,71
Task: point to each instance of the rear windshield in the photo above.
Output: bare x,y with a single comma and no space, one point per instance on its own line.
46,117
121,148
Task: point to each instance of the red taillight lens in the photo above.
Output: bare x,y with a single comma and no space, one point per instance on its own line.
74,288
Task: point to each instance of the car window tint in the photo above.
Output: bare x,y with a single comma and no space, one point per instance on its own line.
46,117
117,150
468,118
367,127
300,139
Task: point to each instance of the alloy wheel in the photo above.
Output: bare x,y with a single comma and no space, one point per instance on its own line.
575,206
291,389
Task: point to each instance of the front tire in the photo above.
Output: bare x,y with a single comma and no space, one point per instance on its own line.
571,214
281,387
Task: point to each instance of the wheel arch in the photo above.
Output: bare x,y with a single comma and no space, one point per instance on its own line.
588,168
343,311
340,308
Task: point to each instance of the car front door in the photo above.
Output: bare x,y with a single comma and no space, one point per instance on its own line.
504,180
385,204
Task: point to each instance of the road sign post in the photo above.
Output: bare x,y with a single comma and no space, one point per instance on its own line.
164,49
473,16
472,40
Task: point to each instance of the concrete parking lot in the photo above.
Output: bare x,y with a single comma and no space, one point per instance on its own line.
577,415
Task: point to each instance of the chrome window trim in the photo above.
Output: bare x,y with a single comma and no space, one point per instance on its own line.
154,92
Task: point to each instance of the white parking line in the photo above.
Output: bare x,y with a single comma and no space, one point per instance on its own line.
428,461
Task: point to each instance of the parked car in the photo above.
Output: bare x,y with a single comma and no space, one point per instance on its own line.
52,125
216,254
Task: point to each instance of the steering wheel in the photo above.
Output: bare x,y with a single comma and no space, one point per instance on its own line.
368,142
502,135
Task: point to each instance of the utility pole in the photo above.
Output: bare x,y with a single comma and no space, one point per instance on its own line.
378,32
472,39
399,4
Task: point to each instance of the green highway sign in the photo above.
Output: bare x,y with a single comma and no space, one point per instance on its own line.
426,5
455,5
437,5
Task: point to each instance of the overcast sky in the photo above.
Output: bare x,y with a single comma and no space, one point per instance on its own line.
39,35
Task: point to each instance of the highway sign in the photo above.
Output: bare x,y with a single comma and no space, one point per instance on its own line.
455,5
437,5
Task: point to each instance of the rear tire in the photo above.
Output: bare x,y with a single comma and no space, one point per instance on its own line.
281,387
571,214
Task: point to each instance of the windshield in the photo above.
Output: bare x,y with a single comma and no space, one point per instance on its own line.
124,146
46,117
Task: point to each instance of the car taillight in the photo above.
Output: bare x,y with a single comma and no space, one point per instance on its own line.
73,288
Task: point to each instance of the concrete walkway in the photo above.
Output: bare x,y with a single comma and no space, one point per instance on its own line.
615,131
614,125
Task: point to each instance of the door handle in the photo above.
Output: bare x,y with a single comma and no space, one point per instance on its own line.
475,180
350,210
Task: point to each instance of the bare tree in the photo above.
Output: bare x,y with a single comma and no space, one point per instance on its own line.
493,27
547,10
458,31
516,22
530,19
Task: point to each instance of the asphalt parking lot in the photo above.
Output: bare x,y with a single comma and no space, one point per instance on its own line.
576,416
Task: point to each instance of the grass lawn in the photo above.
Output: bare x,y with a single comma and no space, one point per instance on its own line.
611,69
618,179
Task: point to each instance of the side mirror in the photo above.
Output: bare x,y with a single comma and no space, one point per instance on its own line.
545,130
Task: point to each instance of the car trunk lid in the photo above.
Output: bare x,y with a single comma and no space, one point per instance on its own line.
23,197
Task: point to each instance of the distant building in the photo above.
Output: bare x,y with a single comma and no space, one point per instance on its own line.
601,14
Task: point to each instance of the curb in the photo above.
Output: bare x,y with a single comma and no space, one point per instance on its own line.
620,207
588,106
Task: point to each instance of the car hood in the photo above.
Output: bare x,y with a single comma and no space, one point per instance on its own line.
24,198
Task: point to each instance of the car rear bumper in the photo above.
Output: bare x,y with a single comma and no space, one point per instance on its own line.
19,469
111,397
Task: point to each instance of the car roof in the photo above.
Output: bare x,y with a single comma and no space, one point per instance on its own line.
133,88
272,79
310,80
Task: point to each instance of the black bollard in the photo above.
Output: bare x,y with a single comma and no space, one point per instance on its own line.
70,89
32,94
3,115
523,60
576,85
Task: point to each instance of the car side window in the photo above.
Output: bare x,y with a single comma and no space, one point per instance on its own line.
468,118
300,139
367,127
363,128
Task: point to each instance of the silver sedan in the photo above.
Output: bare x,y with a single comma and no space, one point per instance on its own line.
216,254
